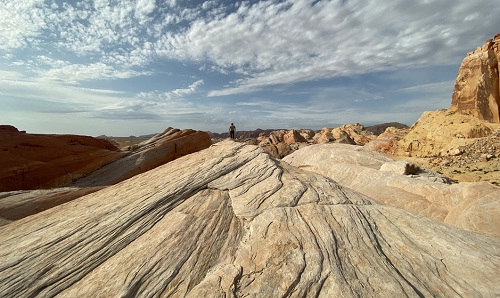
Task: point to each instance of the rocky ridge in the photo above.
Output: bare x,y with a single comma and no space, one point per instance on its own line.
159,149
31,161
232,221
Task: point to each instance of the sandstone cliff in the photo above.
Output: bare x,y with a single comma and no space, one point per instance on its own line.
470,206
230,221
30,161
477,87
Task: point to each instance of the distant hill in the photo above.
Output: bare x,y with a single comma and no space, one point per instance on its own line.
380,128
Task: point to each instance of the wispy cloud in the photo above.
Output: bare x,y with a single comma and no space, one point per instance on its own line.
431,87
117,58
177,94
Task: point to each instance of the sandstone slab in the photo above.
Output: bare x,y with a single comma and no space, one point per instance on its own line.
470,206
230,221
160,149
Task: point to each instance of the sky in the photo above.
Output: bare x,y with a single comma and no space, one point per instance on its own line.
136,67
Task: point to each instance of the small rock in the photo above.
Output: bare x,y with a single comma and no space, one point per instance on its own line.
455,152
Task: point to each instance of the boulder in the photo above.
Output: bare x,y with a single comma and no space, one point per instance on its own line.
471,206
31,161
324,136
477,87
231,221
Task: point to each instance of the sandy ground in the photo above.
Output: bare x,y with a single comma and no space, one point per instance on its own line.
488,171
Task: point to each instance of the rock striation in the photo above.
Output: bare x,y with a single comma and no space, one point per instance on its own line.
477,87
470,206
30,161
231,221
18,204
160,149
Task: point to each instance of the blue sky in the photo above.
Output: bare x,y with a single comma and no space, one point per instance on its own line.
124,67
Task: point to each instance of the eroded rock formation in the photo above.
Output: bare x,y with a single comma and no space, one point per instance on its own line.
160,149
387,141
443,133
30,161
470,206
354,134
230,221
477,87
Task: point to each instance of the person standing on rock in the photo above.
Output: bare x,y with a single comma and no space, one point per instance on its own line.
232,129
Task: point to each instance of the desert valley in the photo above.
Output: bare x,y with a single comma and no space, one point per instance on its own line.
349,211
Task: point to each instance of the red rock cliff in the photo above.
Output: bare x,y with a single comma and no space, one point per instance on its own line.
30,161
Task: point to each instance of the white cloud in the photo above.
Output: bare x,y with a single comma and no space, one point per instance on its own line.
75,73
266,42
240,47
279,43
177,94
17,85
143,8
431,87
19,20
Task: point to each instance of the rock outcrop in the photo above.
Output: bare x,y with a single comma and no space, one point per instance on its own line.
354,134
443,133
280,143
387,142
477,87
160,149
230,221
471,206
30,161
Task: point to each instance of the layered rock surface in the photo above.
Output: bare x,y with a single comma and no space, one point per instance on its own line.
160,149
471,206
232,221
477,87
30,161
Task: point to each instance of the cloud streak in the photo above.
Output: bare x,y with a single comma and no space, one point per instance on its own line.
165,59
